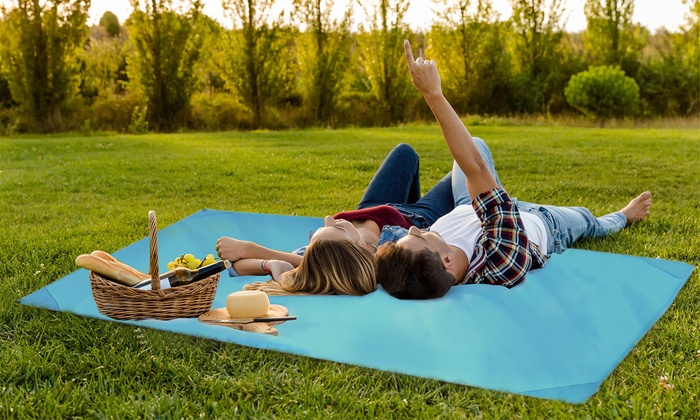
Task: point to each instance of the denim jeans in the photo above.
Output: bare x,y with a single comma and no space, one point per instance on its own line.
564,225
397,183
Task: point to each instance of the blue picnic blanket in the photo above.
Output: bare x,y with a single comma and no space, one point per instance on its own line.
558,335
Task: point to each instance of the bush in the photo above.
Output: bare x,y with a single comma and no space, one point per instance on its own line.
603,92
9,121
114,112
357,109
218,112
669,88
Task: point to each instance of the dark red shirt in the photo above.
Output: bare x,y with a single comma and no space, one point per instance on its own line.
381,215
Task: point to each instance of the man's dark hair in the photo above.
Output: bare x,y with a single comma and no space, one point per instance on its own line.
405,274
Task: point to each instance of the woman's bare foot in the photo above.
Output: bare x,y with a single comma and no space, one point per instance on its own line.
638,208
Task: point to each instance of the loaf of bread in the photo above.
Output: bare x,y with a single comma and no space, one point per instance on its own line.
107,257
107,266
247,304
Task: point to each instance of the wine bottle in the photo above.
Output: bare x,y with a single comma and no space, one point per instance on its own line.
182,276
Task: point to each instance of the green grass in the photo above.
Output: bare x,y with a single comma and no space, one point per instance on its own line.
62,196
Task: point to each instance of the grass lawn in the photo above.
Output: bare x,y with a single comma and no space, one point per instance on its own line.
63,196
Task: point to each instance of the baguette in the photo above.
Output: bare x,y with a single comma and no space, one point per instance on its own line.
107,257
115,270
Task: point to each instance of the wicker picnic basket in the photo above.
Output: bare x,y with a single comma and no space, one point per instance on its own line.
123,302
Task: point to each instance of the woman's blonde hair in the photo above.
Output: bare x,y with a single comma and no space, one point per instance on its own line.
328,267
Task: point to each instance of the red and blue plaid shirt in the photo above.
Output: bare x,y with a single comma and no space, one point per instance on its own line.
503,252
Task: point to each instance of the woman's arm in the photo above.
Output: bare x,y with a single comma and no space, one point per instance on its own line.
426,78
233,250
260,267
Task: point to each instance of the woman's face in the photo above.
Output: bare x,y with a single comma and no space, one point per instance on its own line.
337,230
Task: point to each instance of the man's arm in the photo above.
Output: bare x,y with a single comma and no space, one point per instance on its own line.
426,78
233,250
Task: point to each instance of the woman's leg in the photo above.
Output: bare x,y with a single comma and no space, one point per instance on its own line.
459,180
396,181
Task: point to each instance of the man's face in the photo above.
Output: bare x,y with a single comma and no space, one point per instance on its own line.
417,240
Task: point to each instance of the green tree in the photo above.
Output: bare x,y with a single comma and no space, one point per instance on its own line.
5,94
572,61
380,44
166,50
610,37
212,33
537,50
110,22
103,59
469,47
254,63
603,92
669,75
687,47
324,55
39,47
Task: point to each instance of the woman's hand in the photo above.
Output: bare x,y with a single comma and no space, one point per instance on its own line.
424,73
232,249
278,267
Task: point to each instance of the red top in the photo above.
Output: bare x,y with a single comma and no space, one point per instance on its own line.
381,215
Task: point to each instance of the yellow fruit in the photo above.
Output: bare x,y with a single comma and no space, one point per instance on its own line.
171,265
188,257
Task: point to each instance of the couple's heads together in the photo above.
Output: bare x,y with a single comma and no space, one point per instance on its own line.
418,266
338,260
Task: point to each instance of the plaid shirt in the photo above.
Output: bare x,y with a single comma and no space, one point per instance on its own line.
503,252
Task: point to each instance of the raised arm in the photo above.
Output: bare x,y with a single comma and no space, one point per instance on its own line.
426,78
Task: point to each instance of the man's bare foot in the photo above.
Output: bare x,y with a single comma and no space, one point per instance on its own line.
638,208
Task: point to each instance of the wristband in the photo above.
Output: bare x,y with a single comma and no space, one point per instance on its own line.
263,267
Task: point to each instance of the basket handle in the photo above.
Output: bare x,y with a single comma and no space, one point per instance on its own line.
153,236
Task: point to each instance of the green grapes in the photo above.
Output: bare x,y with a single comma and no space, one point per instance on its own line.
190,262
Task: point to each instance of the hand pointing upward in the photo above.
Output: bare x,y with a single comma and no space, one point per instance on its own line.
424,73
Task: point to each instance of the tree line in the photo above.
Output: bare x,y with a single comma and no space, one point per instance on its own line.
169,67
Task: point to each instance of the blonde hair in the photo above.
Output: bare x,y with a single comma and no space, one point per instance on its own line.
328,267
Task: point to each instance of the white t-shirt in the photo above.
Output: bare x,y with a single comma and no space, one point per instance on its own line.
461,228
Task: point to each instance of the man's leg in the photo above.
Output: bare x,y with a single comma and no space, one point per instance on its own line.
459,180
566,225
396,181
434,204
446,194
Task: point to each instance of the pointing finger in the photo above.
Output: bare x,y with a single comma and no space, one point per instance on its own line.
409,54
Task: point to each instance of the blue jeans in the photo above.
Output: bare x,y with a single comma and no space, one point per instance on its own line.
564,225
397,183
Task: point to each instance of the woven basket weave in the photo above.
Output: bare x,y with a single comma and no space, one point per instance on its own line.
123,302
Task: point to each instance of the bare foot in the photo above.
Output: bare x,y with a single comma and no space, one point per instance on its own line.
638,208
